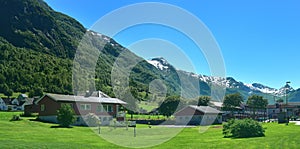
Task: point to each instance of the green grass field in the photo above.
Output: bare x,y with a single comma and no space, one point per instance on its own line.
147,117
32,134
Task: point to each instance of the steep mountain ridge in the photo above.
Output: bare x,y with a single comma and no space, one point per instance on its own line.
231,84
34,25
38,46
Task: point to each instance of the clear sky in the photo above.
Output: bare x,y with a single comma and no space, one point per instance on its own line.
259,40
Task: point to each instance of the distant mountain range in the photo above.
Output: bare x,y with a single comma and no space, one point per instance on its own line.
232,85
38,46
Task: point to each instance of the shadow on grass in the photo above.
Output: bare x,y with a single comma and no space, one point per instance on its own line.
58,126
232,137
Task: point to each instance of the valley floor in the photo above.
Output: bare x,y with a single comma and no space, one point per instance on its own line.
28,133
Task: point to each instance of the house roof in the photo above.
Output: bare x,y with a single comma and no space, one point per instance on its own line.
28,101
216,104
73,98
7,101
205,109
202,109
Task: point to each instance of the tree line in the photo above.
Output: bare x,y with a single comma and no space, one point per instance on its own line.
231,102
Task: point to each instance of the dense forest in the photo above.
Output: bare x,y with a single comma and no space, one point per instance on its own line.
38,52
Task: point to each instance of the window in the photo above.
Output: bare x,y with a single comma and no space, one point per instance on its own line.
88,107
85,106
100,108
108,108
42,107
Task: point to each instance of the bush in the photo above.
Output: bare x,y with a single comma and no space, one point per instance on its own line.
65,115
243,129
15,118
92,119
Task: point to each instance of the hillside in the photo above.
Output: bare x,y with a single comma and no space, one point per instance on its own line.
38,46
39,50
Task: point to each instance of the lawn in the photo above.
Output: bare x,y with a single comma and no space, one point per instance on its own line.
147,117
32,134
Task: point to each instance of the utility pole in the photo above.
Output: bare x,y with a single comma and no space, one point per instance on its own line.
286,102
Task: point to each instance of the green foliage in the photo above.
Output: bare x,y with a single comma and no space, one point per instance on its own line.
203,100
92,120
32,24
257,102
280,100
200,101
7,91
232,101
15,118
37,91
65,115
38,46
169,105
243,129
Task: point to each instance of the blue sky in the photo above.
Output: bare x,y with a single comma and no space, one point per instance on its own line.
259,40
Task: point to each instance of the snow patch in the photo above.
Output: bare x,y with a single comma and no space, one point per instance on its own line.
157,64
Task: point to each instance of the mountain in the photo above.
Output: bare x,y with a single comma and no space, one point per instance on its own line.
34,25
160,63
41,49
231,85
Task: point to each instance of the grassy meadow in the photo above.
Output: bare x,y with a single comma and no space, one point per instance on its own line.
28,133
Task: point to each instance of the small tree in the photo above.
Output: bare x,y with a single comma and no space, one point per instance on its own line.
256,102
232,101
65,115
280,100
36,91
203,100
7,91
169,105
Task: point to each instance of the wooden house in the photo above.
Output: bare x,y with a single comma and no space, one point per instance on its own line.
104,107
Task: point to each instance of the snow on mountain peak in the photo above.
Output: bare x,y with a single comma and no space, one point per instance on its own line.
160,63
262,88
229,82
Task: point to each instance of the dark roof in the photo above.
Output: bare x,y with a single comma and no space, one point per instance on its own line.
7,101
28,101
205,109
73,98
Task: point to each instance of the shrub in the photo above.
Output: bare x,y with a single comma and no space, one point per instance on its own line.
65,115
92,119
15,118
243,129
